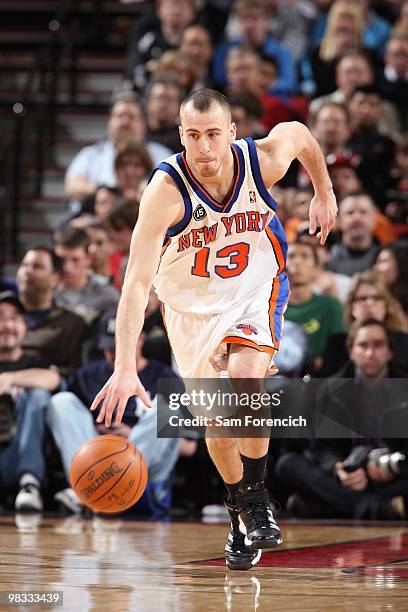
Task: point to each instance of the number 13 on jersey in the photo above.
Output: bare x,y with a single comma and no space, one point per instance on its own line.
238,255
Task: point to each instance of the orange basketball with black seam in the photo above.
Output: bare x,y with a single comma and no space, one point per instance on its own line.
109,474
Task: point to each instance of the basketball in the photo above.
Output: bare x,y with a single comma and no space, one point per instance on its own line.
109,474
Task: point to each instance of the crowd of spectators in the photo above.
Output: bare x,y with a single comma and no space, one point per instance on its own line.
341,68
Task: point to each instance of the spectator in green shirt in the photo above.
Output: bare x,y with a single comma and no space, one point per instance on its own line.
320,315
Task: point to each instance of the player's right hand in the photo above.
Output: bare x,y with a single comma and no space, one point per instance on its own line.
115,394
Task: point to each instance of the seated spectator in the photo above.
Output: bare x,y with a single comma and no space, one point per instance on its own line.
343,34
49,326
397,197
320,315
393,83
163,97
97,204
330,126
321,485
246,113
391,266
289,23
299,212
253,32
245,73
121,221
344,172
356,221
241,63
196,44
94,164
369,298
25,385
81,291
328,283
100,249
72,424
354,70
177,68
375,150
376,28
132,167
151,37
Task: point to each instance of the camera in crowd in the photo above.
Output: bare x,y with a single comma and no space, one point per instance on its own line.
393,462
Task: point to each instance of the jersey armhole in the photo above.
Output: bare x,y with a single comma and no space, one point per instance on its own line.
256,173
183,223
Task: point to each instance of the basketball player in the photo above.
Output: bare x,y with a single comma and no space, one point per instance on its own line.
210,241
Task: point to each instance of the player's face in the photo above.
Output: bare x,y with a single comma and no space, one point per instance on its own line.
207,138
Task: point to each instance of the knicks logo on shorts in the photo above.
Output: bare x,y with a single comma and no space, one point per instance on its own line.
247,329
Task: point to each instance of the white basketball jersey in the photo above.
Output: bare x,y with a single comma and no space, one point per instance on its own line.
220,252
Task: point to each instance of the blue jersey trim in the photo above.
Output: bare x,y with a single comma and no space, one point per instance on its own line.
282,300
188,208
277,228
256,172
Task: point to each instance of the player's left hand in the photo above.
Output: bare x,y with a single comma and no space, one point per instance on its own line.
322,213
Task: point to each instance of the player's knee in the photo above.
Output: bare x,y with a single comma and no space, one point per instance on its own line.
221,443
244,370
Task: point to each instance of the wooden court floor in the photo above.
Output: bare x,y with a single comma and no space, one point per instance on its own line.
117,565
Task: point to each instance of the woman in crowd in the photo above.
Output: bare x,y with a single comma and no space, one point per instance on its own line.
369,298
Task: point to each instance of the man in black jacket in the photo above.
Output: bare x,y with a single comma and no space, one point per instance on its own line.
355,418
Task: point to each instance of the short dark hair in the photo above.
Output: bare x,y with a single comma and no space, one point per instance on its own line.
338,105
56,262
369,90
203,99
357,325
124,214
96,224
357,194
248,102
134,149
305,240
166,80
126,96
72,238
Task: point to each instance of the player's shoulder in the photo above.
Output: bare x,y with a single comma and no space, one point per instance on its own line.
161,182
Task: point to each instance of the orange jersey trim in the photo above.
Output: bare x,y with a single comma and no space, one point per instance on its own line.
277,249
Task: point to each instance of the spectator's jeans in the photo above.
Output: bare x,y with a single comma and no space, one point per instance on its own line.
72,424
25,453
313,483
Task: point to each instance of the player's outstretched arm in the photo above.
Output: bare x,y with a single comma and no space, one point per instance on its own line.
286,142
160,208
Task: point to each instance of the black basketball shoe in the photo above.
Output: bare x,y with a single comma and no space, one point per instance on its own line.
237,555
255,518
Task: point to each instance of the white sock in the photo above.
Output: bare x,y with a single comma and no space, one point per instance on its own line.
28,478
